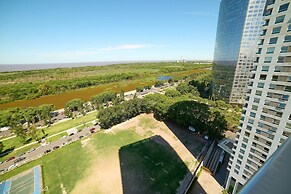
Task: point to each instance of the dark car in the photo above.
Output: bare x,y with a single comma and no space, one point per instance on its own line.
81,136
56,147
47,151
71,134
11,158
92,130
19,159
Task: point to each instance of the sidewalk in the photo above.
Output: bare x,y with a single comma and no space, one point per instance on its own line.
206,184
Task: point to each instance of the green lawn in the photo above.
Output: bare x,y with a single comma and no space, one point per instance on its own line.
151,167
70,123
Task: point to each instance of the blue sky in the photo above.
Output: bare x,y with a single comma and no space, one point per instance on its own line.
52,31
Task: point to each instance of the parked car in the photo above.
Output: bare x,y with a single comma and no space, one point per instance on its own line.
71,134
21,154
11,158
92,130
19,159
81,136
56,147
47,151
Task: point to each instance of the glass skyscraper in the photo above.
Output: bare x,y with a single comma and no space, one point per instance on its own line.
238,29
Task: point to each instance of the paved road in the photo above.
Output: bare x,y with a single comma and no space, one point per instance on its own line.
40,151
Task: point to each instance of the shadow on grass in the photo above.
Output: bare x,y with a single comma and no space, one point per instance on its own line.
196,188
151,166
7,151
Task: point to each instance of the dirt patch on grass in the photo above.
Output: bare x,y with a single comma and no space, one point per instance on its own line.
103,177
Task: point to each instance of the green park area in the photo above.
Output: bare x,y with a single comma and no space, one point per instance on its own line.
122,157
16,142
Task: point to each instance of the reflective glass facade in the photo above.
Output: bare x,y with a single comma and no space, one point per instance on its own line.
238,29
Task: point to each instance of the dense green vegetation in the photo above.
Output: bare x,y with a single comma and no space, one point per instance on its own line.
184,106
33,84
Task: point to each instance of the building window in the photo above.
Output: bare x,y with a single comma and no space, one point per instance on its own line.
278,69
266,22
256,100
273,40
251,121
265,68
284,49
283,7
270,2
259,51
261,85
287,88
268,60
272,86
279,19
276,30
289,28
281,105
275,78
280,59
268,12
252,114
284,97
287,38
261,42
263,77
270,50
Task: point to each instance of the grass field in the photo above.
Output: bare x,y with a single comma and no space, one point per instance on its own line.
109,158
148,166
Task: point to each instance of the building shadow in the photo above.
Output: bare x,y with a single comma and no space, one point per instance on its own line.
192,141
151,166
196,188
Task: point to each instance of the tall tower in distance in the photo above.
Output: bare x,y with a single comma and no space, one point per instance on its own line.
266,118
239,26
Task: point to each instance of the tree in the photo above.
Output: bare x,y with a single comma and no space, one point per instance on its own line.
73,106
121,96
139,89
172,93
45,112
134,96
185,88
32,132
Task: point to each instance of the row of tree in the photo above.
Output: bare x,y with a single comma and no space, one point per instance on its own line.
22,121
179,109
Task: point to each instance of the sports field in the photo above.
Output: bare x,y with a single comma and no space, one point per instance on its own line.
142,151
28,182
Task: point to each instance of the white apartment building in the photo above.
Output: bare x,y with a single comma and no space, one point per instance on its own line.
266,119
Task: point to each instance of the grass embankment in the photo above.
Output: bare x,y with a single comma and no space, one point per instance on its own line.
53,129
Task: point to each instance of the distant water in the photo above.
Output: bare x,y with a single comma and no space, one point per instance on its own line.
164,78
24,67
